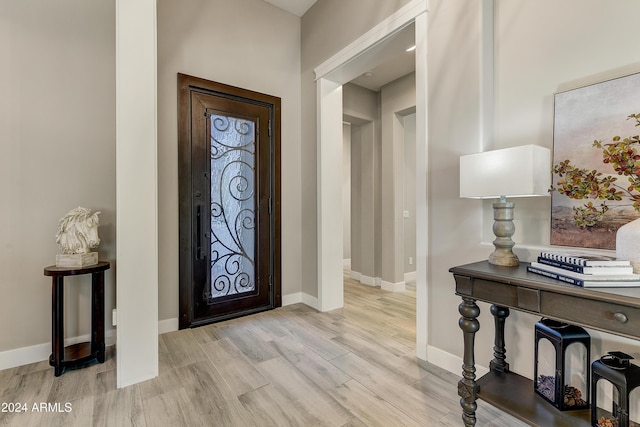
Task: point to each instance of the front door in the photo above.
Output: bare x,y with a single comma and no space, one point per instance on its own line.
228,142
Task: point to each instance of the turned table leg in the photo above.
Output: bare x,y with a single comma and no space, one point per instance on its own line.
499,362
467,386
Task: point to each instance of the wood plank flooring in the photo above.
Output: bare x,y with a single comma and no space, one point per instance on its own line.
291,366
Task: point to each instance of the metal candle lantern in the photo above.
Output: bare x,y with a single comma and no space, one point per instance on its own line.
616,368
562,355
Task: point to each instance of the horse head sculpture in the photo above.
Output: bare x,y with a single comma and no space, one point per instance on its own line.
78,231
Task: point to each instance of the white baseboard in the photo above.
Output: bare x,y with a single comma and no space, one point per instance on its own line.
310,301
39,352
168,325
410,277
300,297
394,287
366,280
291,299
378,282
450,362
24,355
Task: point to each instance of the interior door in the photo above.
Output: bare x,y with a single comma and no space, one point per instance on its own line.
229,201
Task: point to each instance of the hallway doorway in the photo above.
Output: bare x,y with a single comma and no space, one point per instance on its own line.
331,75
362,168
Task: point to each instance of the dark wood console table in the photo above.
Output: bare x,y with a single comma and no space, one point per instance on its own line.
612,310
82,354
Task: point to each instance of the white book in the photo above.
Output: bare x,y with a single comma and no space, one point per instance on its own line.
606,269
587,260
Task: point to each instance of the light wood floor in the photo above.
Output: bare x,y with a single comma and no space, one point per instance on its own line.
291,366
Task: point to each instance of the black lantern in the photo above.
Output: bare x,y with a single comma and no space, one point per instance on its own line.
614,409
562,357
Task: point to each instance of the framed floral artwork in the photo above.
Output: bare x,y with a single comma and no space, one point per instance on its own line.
596,162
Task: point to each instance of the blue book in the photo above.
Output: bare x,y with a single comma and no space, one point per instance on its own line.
586,281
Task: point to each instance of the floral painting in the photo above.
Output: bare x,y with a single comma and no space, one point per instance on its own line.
596,162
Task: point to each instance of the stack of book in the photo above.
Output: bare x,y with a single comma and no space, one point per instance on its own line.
586,270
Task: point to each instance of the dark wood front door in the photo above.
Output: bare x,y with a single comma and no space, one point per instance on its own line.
229,149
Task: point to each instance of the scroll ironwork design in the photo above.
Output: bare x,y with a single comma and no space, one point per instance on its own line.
232,206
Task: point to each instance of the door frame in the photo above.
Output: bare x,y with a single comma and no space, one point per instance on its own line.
187,84
344,66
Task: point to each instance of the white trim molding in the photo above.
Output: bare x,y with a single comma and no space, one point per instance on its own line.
353,60
168,325
410,277
384,29
393,287
136,205
367,280
40,352
330,272
450,362
300,297
310,301
376,282
291,299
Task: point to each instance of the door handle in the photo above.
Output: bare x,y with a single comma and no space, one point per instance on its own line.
198,232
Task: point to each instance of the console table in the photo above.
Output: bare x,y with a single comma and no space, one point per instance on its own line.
612,310
82,354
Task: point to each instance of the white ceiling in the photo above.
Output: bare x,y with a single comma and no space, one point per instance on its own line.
297,7
392,61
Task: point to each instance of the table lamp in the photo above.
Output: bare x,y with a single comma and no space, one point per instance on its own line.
511,172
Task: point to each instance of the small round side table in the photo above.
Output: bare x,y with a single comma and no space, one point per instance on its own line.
81,354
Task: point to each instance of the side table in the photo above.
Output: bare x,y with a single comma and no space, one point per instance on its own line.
81,354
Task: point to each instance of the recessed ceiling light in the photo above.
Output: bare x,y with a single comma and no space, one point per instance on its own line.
411,48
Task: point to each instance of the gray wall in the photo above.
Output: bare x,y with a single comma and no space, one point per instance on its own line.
245,43
326,28
397,99
530,66
455,225
389,107
361,107
57,152
57,137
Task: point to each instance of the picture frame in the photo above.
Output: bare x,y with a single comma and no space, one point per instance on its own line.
595,127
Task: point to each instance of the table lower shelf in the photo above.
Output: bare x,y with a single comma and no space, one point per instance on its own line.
514,394
78,356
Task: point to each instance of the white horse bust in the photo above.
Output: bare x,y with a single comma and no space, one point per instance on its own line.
78,231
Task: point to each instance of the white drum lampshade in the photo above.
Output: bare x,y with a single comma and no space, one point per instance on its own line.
523,171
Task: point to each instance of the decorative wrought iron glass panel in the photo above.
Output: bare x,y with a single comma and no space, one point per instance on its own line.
233,206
